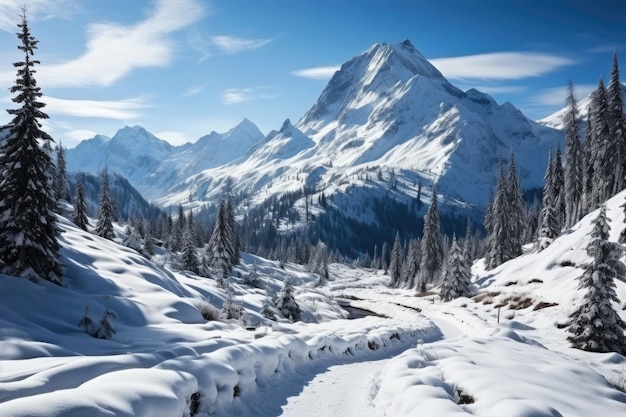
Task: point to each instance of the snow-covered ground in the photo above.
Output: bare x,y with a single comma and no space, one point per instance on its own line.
500,353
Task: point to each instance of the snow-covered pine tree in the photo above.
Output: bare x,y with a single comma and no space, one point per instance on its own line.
104,224
496,224
147,249
590,201
617,124
234,233
106,330
61,186
231,310
189,256
605,152
219,249
595,326
29,245
80,207
286,303
468,243
395,265
384,255
456,279
412,262
516,211
558,188
574,177
268,308
548,223
318,264
432,243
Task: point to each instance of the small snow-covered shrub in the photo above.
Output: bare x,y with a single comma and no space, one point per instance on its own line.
86,322
544,304
194,403
106,330
461,397
208,311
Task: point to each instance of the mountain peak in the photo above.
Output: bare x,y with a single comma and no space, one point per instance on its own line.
378,70
401,55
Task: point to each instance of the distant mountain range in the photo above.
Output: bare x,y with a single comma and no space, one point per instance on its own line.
387,121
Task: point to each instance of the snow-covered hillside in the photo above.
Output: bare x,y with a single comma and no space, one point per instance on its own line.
387,110
502,352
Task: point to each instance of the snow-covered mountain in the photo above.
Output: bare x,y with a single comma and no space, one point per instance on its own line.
555,120
387,121
151,164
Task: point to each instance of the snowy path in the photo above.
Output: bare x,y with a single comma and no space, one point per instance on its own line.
334,389
343,390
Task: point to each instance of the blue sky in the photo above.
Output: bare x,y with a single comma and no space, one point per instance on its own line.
183,68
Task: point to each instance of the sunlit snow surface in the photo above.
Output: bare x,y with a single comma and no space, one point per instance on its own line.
404,364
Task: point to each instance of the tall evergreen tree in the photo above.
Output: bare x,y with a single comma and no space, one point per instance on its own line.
596,326
558,188
190,258
548,224
29,232
234,233
219,249
605,151
457,276
61,186
104,224
80,207
617,124
496,224
395,265
432,243
516,211
412,263
574,164
589,200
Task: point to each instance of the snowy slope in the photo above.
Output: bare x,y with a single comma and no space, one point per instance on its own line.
419,359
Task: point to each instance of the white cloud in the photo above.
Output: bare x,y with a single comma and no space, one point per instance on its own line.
317,73
232,44
118,110
113,50
193,90
500,65
10,10
239,95
556,96
234,95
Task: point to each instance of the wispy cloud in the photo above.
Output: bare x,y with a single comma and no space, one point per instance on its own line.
193,90
556,96
500,65
113,50
233,45
239,95
10,10
317,73
118,110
